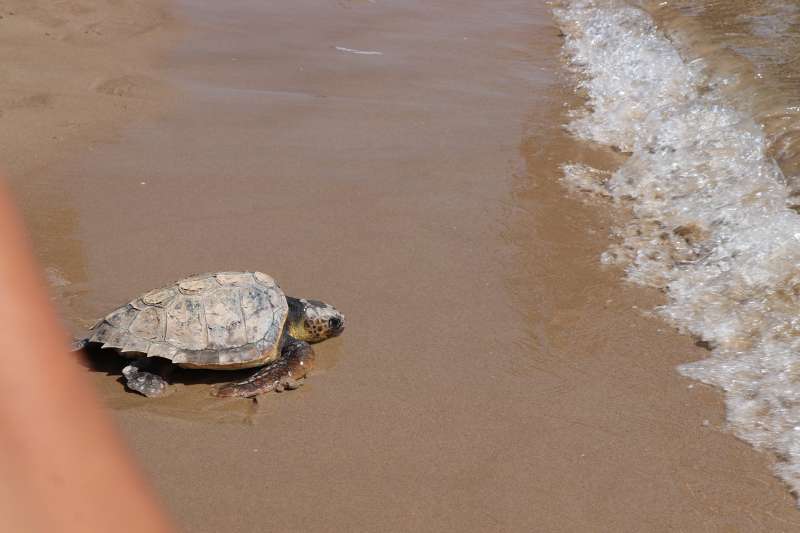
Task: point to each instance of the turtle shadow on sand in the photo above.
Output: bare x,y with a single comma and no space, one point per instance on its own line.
111,363
187,401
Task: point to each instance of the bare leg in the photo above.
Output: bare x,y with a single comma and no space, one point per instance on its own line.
147,376
296,360
63,466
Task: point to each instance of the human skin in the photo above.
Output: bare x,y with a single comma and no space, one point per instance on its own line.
63,467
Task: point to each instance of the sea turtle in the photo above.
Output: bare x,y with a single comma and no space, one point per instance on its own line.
220,321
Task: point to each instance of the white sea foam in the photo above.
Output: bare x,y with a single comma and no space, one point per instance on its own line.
359,52
710,218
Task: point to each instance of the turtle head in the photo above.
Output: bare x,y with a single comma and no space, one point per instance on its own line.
313,321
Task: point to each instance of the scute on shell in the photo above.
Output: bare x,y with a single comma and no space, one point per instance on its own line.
226,319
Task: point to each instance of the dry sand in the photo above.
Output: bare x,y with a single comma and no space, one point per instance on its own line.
492,378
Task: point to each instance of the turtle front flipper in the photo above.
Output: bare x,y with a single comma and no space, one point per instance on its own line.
296,360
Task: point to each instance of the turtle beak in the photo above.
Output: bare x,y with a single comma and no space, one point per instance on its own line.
337,325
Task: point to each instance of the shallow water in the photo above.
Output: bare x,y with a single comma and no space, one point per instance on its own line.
703,96
754,45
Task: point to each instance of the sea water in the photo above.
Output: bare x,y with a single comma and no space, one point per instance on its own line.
702,95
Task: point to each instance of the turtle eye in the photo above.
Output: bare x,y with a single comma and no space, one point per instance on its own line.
335,323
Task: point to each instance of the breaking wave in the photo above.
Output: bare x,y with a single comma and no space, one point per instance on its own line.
713,221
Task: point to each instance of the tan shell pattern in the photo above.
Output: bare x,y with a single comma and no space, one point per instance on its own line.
227,319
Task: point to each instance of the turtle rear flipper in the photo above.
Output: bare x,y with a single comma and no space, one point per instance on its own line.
147,376
78,344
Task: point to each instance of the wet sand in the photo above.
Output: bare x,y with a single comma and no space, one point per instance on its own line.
73,73
492,377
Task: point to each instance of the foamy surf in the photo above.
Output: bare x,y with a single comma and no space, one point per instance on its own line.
710,223
359,52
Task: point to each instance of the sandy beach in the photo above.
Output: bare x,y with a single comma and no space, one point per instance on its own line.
400,160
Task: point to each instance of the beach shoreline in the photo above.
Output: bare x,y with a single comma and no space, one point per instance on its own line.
493,375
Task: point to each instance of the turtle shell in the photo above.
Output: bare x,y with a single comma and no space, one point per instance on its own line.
226,320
